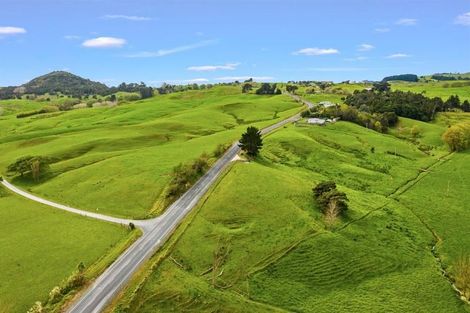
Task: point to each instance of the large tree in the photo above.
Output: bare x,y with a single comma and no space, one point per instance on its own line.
251,141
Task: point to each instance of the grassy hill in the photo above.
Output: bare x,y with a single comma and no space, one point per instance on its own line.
120,159
259,242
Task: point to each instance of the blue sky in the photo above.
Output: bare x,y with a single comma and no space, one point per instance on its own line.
223,40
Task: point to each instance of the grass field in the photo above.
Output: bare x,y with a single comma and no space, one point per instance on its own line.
441,199
119,160
42,246
431,89
259,243
437,89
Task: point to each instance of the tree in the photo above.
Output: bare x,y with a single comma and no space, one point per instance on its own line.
453,102
291,88
112,98
333,203
251,141
246,87
323,187
466,106
381,86
146,92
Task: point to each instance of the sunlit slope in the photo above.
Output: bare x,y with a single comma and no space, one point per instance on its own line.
118,160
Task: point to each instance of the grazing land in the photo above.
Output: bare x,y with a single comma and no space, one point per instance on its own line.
41,247
119,160
259,242
437,89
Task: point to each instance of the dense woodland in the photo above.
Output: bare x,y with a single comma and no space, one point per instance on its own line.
403,77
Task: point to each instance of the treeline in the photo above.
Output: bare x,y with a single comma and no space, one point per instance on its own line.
443,77
402,77
168,88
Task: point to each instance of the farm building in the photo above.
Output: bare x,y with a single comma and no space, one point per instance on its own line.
327,104
316,121
320,121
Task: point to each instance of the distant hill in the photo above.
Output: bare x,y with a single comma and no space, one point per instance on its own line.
65,83
403,77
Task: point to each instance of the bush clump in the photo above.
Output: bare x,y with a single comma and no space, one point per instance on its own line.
457,137
185,175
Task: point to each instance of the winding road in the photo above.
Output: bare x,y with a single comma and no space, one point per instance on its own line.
155,231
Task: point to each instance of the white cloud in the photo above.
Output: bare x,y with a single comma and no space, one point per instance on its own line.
72,37
126,17
463,19
10,30
359,58
104,42
407,22
197,80
316,51
382,30
239,78
210,68
398,56
164,52
365,47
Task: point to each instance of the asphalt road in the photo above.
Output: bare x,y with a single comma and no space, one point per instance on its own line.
105,288
155,231
144,224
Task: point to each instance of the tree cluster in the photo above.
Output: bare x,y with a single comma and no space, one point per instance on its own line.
333,202
268,89
406,104
33,165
